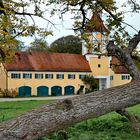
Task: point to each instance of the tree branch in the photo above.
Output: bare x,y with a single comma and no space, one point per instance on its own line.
3,55
83,13
133,43
125,58
132,118
114,17
2,8
63,113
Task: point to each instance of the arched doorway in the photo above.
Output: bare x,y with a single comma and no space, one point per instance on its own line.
69,90
56,91
24,91
42,91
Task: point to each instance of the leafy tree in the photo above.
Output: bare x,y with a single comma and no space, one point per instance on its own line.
14,22
61,114
91,82
67,44
39,45
20,46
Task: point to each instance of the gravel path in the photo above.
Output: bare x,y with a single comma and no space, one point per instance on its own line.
34,98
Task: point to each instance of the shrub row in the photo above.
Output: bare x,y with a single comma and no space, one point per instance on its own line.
8,93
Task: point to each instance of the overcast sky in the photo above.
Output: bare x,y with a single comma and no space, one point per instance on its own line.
65,28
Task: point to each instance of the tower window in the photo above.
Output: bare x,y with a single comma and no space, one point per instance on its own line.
99,65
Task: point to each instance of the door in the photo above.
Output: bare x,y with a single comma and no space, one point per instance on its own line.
69,90
42,91
25,91
56,91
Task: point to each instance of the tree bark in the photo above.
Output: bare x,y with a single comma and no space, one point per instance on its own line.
53,117
131,117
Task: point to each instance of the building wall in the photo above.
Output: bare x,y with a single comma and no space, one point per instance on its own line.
99,66
117,80
34,83
3,77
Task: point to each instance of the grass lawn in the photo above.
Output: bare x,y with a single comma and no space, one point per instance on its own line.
10,110
108,127
111,126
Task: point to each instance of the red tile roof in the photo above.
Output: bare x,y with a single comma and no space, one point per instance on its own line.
117,67
42,61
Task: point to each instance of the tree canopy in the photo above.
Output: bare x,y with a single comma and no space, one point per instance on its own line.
19,18
39,45
67,44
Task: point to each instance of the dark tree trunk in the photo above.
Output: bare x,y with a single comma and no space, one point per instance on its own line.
131,117
50,118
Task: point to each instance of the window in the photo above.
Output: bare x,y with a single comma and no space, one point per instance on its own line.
38,76
111,77
82,76
27,75
125,77
15,75
49,76
99,56
71,76
99,65
60,76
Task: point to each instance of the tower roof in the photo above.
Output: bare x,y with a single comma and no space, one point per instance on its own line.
96,24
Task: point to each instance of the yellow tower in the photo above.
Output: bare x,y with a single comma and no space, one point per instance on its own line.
97,35
94,45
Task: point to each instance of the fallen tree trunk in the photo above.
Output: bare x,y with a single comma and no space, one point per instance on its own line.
58,115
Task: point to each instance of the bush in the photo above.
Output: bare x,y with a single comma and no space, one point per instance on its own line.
8,93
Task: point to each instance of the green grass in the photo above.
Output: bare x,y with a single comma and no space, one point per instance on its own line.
10,110
111,126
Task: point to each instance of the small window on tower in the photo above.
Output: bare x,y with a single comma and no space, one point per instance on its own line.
99,56
99,65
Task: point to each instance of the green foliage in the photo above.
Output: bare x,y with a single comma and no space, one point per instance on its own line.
39,45
91,82
10,110
68,44
108,127
17,20
20,46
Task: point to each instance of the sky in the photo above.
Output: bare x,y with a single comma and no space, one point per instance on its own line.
64,28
